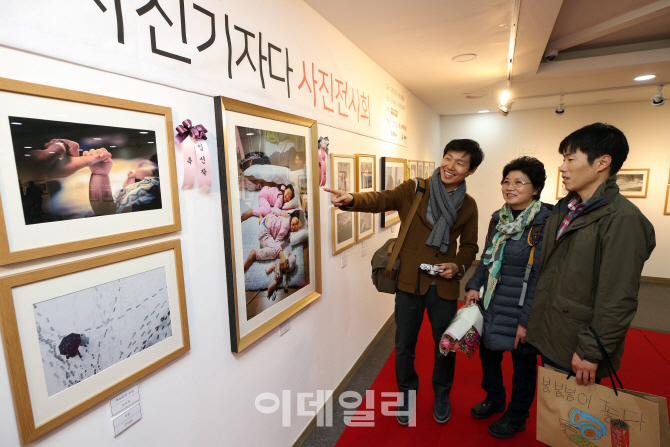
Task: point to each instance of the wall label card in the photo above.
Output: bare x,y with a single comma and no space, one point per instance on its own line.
284,327
125,399
126,419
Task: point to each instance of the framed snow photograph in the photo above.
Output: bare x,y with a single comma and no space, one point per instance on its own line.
393,173
271,228
80,332
344,233
82,171
342,172
365,173
633,182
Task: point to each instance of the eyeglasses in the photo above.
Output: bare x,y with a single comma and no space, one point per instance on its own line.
517,183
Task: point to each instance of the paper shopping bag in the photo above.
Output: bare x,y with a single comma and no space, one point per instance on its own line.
569,414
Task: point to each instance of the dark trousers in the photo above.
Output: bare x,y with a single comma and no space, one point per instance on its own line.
523,380
409,310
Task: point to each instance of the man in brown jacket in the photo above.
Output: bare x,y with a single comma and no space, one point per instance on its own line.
595,245
443,232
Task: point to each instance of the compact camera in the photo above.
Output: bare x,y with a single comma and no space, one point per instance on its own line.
431,269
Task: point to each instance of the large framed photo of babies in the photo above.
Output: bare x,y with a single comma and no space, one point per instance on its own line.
270,202
80,171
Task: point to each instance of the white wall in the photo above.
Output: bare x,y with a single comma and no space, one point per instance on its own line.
645,127
206,397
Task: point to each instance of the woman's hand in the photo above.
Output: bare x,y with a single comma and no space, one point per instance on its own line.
339,198
520,336
471,295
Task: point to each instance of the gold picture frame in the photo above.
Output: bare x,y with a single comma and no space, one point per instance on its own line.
560,187
344,229
22,296
366,181
252,314
367,219
412,166
391,169
342,172
666,210
633,183
40,104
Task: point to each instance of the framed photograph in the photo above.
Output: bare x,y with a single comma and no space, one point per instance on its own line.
432,167
393,172
413,165
419,169
666,210
365,173
560,187
633,182
81,171
80,332
364,226
426,169
343,223
271,230
342,169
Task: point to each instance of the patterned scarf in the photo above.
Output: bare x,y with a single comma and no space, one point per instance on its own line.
508,228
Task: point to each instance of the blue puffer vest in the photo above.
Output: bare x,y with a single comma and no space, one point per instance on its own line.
504,314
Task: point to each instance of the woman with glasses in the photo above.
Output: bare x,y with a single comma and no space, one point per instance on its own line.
503,284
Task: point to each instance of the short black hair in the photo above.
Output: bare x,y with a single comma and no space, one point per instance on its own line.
469,147
596,140
530,166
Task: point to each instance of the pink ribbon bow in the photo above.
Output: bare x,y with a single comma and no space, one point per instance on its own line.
186,129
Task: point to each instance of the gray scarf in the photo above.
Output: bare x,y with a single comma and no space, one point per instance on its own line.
443,209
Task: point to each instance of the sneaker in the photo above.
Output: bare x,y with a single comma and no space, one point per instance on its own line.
506,427
442,409
485,409
404,412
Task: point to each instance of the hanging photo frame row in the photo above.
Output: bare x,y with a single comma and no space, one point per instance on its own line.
62,139
269,172
78,333
633,183
393,173
423,169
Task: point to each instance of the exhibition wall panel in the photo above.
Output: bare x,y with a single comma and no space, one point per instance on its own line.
541,131
207,396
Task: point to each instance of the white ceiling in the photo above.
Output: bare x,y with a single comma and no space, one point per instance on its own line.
604,44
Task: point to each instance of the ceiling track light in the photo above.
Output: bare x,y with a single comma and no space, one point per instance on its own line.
658,99
560,110
504,104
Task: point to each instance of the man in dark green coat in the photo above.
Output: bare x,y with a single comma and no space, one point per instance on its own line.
596,244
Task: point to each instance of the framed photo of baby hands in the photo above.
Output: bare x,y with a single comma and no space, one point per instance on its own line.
80,171
269,173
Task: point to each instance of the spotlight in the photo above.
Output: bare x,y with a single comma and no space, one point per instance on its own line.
560,110
504,105
658,99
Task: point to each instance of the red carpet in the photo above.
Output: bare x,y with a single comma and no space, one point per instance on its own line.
646,366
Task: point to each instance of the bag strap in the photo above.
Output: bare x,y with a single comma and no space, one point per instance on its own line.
420,189
608,363
533,239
